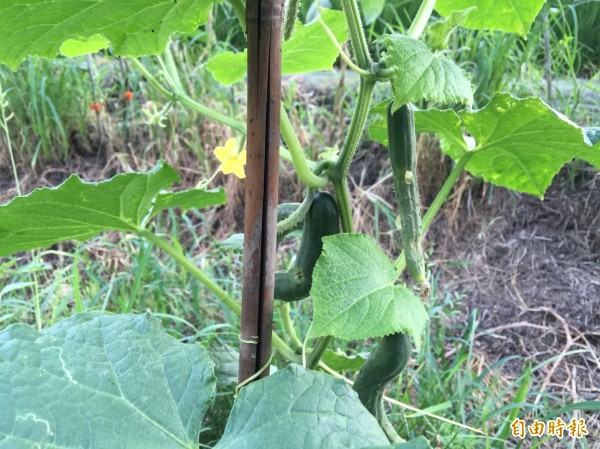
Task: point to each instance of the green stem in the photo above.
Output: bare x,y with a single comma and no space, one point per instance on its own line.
297,216
216,116
421,19
342,196
234,305
343,55
437,203
357,34
186,263
283,349
288,324
172,68
289,136
152,80
359,118
176,94
317,352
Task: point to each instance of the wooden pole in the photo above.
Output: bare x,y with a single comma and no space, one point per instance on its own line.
263,25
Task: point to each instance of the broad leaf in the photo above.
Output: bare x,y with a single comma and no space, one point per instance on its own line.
421,74
101,381
355,295
299,409
308,50
516,143
522,143
512,16
80,210
132,28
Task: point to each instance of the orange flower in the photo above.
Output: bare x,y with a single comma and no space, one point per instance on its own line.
128,95
95,106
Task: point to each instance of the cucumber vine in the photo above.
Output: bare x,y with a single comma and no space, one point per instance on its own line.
353,284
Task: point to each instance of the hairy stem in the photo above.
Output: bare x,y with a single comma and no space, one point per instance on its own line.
357,34
291,13
421,19
359,118
437,203
172,68
297,216
342,197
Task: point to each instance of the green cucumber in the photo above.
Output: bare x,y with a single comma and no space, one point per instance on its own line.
322,219
403,155
384,364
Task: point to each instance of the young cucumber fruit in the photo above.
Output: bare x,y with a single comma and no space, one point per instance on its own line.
322,219
384,364
403,155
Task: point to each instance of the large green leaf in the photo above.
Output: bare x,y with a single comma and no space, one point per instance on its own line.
522,143
299,409
100,381
131,28
80,210
516,143
512,16
421,74
355,295
308,50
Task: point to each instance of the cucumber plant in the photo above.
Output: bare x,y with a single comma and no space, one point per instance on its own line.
101,381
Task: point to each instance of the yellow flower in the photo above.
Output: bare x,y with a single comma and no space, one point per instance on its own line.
231,161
